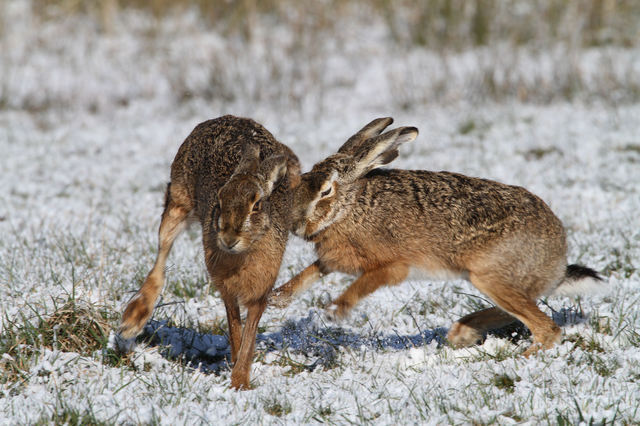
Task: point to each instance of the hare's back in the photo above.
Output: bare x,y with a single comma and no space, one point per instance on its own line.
213,150
457,201
217,144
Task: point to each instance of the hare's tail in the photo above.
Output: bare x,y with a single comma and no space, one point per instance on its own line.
579,281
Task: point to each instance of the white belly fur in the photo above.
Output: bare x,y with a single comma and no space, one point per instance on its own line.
419,274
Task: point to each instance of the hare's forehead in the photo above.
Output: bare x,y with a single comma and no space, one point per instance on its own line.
244,189
314,181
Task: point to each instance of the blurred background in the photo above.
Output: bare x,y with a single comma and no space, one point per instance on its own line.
316,56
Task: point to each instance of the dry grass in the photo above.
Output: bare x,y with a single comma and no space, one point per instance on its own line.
81,328
460,23
74,327
536,52
438,24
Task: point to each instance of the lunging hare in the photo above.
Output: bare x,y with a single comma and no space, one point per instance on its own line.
381,225
233,176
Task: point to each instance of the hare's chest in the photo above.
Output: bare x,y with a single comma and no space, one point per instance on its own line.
348,254
246,278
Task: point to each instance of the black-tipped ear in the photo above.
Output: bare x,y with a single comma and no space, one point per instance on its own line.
372,129
270,171
381,150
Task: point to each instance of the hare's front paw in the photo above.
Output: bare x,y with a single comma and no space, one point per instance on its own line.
279,299
338,311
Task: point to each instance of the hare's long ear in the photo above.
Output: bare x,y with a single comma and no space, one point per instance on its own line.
372,129
381,150
249,160
270,171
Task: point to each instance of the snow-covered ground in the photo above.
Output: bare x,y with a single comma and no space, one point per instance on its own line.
90,122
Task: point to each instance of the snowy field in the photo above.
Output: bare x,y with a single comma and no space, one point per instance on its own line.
90,122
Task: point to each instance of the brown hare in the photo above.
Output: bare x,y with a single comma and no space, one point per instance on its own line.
233,176
383,225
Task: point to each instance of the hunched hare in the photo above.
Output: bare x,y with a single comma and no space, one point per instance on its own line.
233,176
384,224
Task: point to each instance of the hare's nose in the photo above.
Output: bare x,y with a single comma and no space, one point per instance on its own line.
228,242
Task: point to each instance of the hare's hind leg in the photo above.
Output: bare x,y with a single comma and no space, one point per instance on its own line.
470,328
366,284
516,302
139,309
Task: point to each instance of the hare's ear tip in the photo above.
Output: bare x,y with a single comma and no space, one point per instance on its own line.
408,134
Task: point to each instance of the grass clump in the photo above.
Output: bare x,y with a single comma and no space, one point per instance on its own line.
295,367
74,327
587,345
594,355
621,264
16,355
505,382
277,408
189,288
81,328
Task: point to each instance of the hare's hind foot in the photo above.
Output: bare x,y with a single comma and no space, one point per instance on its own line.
123,346
513,300
140,307
468,330
135,316
548,342
462,336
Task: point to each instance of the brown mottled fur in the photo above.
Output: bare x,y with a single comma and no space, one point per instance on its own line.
380,224
234,177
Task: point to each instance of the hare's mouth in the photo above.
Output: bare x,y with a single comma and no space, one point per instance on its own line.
233,246
300,231
309,231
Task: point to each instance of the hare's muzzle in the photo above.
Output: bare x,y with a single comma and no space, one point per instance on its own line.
299,224
229,243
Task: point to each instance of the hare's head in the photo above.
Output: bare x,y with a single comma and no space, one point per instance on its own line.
243,213
321,197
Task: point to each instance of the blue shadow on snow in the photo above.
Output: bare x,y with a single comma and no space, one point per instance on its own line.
211,353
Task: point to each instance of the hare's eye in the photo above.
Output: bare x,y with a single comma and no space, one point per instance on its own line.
327,192
257,206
